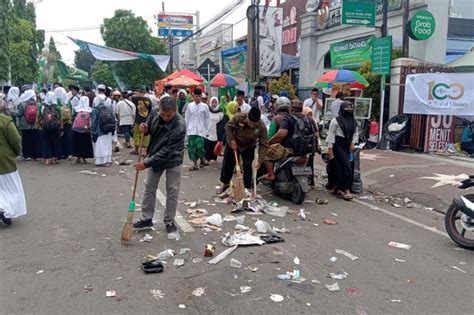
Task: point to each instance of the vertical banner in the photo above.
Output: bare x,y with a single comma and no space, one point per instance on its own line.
439,133
234,61
270,39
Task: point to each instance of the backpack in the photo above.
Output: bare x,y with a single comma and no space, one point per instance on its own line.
303,140
31,110
81,122
106,119
50,120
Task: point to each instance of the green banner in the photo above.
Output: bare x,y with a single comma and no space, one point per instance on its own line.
351,53
234,61
382,55
71,73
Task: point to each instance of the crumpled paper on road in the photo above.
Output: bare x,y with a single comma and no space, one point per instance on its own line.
245,238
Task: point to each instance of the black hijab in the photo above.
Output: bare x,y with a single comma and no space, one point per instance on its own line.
346,121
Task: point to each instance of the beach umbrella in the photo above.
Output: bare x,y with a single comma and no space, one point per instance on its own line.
223,80
355,79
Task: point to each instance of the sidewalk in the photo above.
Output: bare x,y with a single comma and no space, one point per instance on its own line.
429,180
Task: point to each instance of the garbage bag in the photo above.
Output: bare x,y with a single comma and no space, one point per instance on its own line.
392,140
357,179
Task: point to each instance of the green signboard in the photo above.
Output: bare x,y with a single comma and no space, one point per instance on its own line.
358,12
382,55
421,26
351,53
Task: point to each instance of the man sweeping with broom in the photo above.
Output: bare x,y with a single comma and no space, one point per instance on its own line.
165,152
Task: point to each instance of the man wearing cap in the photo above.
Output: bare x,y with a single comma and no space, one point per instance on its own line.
242,107
100,95
143,109
198,119
243,132
126,117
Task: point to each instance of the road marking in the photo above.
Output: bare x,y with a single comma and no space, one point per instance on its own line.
180,220
403,218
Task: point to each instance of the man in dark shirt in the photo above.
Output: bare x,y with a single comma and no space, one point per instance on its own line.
143,108
90,95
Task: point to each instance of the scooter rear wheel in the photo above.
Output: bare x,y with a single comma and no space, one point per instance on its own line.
454,229
298,194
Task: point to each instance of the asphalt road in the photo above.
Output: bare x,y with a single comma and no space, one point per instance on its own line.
72,234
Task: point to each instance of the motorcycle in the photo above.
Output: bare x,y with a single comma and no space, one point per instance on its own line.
460,217
291,178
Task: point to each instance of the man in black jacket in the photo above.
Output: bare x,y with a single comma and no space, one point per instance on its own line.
165,152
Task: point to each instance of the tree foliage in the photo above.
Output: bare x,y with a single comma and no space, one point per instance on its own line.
102,74
373,90
5,16
282,84
84,60
126,31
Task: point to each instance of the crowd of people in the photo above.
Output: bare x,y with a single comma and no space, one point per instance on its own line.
83,124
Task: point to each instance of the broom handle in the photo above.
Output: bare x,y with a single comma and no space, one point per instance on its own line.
237,166
139,160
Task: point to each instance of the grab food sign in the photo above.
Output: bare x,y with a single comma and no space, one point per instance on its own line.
421,26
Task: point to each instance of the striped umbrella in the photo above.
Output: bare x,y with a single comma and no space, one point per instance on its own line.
355,79
223,80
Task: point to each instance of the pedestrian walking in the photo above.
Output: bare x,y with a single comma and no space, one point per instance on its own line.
102,126
308,112
164,156
181,101
315,104
198,121
116,95
75,96
90,94
143,108
216,116
126,117
336,104
81,132
242,106
30,137
50,127
243,132
12,197
12,103
341,139
66,121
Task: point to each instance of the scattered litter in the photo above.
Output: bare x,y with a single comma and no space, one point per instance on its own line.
228,218
157,294
253,269
193,204
392,176
240,219
234,263
240,227
182,306
39,272
302,214
308,304
352,291
316,281
333,287
281,230
329,222
276,211
315,224
458,269
400,260
146,238
462,263
178,262
122,172
199,291
406,200
222,255
89,172
338,276
334,214
199,221
296,261
428,208
88,288
111,293
125,162
92,250
395,205
183,251
394,301
399,245
322,201
215,219
210,250
103,175
272,239
290,275
152,266
333,259
196,213
197,260
276,298
347,254
119,278
263,227
167,253
245,289
245,238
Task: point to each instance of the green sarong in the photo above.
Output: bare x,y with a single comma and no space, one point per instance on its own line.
195,148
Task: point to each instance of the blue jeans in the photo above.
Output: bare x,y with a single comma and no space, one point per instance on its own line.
127,132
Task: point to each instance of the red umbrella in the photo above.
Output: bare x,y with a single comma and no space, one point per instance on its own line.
184,81
185,72
223,80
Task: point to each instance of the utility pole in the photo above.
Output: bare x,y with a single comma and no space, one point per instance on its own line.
257,43
406,14
170,38
382,78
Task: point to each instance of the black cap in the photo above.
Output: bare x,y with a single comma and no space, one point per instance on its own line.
197,91
254,114
240,93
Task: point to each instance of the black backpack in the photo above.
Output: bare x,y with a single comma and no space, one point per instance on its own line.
106,118
303,140
50,120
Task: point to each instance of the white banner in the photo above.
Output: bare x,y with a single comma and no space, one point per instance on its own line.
439,94
271,27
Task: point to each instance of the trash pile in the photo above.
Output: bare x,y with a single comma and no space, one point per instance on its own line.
396,202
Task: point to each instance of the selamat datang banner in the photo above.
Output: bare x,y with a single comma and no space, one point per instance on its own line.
439,94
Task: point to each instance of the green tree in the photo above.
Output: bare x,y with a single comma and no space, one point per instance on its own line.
84,60
373,90
102,74
129,32
24,67
282,84
5,16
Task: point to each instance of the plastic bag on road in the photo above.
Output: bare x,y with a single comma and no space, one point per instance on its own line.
392,140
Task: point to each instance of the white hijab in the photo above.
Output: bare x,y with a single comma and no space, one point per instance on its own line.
27,95
83,105
13,94
61,95
50,98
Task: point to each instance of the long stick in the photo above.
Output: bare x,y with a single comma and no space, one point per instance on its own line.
255,161
139,160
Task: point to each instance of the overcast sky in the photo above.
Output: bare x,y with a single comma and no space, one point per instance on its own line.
68,14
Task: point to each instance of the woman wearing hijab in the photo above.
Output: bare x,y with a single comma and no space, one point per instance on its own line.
102,142
231,109
307,111
181,101
12,197
30,137
49,123
211,138
81,132
12,103
62,100
341,140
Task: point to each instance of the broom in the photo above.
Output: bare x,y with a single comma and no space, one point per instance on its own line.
239,188
255,170
128,227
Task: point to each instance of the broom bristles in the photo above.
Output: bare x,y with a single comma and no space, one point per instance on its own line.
127,231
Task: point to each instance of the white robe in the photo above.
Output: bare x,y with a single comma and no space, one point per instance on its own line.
103,149
12,197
